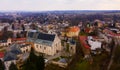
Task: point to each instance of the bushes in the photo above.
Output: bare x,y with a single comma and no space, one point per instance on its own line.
116,59
34,62
1,65
13,67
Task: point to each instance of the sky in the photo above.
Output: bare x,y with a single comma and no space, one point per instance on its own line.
48,5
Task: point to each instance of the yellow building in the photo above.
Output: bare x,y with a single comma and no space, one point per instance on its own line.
73,31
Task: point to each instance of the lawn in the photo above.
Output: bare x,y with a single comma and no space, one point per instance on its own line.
83,34
82,65
57,59
99,63
3,50
53,67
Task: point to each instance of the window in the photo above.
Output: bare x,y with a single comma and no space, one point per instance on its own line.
26,50
40,46
36,46
57,51
56,45
44,48
9,44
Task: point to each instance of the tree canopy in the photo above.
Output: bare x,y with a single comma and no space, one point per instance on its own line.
1,65
34,62
13,67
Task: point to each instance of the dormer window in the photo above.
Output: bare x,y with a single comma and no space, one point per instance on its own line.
37,46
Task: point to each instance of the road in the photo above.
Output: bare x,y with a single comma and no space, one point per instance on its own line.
53,57
113,53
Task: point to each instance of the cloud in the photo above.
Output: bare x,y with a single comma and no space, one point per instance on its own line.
38,5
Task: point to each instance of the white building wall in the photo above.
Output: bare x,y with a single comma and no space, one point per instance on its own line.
103,36
43,49
49,50
94,44
26,49
8,63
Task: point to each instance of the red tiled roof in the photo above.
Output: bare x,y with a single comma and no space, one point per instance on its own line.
87,30
95,37
21,42
83,41
111,33
18,39
74,29
1,54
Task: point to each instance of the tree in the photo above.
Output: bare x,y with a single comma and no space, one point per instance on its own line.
13,67
5,29
117,55
31,62
18,35
116,59
33,26
2,67
28,65
32,56
13,26
7,34
34,62
40,63
23,27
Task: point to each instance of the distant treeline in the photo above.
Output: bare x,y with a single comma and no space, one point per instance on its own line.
73,17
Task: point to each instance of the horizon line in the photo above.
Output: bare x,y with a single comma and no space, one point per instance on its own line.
53,10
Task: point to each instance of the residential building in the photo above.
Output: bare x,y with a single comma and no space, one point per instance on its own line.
93,43
85,46
72,47
48,44
117,25
112,32
16,53
5,42
8,59
19,40
1,55
73,31
25,48
83,41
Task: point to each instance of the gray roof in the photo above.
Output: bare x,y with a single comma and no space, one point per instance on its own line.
25,56
3,41
41,38
15,49
47,37
12,53
72,42
45,42
9,56
24,45
63,60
